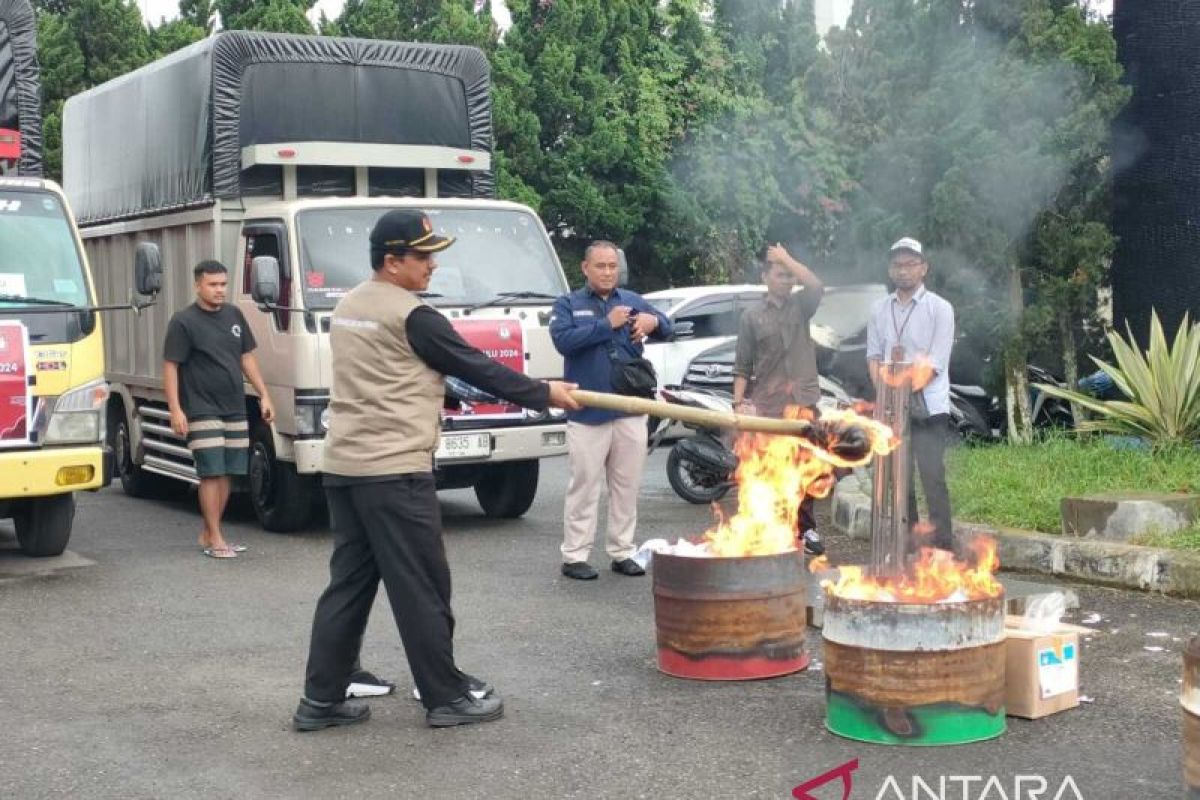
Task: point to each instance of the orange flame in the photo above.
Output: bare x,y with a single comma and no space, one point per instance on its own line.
918,373
775,473
935,577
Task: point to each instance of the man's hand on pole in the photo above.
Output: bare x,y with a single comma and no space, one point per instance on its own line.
560,395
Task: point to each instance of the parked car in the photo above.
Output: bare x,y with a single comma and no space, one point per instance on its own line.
839,331
705,317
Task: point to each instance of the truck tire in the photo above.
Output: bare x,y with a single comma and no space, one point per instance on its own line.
282,498
506,491
44,525
135,481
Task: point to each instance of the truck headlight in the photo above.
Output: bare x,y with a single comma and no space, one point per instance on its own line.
78,416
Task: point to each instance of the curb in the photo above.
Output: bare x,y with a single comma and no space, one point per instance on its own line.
1095,561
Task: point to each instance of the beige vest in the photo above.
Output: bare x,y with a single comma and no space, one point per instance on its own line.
385,406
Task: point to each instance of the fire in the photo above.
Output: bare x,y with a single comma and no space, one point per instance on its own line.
776,472
935,577
918,373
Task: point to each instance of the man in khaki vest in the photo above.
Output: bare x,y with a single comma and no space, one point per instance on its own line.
390,351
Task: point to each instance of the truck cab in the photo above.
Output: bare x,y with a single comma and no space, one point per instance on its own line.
495,285
52,388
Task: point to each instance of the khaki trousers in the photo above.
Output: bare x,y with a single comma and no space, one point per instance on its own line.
613,452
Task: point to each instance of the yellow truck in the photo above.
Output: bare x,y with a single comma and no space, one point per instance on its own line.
53,393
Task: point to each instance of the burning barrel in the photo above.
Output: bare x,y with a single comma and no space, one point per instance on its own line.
730,618
1190,699
914,673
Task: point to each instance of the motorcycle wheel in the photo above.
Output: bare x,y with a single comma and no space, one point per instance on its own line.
691,483
969,424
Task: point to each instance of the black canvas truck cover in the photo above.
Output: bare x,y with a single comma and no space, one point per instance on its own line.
20,90
170,135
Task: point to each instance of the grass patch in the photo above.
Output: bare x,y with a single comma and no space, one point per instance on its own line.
1180,540
1021,486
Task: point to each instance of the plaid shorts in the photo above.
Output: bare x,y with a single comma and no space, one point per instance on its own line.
219,445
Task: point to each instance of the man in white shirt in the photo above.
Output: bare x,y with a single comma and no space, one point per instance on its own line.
914,325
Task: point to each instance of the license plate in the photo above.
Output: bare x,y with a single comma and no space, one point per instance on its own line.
464,445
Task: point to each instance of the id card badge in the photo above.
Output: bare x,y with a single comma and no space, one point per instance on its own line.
898,355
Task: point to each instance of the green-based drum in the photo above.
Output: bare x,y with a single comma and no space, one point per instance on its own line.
913,673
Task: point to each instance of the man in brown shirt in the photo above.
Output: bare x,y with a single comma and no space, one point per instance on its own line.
776,363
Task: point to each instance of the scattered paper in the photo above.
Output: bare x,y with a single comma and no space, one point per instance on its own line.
1091,619
1153,649
1083,698
1158,634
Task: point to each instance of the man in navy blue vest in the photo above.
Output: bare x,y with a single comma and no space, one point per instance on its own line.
591,327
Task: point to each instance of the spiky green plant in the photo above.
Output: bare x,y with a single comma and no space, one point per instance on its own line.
1162,385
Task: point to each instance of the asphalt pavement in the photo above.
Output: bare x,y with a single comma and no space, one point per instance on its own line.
134,667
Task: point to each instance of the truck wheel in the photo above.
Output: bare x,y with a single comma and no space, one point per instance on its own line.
283,499
135,481
506,491
44,525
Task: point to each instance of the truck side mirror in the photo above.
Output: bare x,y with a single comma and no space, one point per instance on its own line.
264,280
147,268
683,330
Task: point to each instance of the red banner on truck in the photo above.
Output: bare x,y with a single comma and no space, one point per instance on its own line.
500,340
15,399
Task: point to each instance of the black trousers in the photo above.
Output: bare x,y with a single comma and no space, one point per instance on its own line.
927,450
389,530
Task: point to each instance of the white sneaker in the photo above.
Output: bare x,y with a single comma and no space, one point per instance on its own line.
479,689
365,684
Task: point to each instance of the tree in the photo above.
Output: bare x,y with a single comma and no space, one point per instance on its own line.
755,163
198,13
280,16
63,74
603,120
981,128
173,35
94,41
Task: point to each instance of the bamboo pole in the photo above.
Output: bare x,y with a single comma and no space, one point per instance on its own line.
697,416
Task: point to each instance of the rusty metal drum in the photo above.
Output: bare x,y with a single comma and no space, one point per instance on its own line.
914,673
728,619
1190,700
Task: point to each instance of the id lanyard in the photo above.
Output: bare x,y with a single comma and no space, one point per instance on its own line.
898,354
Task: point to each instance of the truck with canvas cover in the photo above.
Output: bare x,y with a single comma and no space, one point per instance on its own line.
275,154
20,91
52,390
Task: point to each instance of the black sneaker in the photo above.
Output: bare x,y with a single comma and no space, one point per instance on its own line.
466,710
479,689
314,716
813,545
366,684
627,566
580,571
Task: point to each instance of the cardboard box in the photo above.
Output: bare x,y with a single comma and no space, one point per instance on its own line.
1042,669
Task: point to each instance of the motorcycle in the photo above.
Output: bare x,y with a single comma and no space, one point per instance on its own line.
1048,412
700,467
975,415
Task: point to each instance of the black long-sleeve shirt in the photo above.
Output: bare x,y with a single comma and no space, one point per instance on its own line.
434,339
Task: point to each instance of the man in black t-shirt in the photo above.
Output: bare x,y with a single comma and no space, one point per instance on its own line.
208,349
